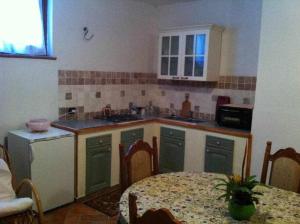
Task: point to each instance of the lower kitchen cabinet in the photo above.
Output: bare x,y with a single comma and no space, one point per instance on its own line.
180,149
172,147
131,136
98,163
219,155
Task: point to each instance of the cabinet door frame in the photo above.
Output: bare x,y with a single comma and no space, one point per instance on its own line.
168,76
166,141
183,55
131,139
102,150
227,155
174,141
107,182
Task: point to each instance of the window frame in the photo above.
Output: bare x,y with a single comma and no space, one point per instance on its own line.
48,46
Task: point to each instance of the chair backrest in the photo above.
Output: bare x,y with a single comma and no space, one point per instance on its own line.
139,162
285,168
4,155
27,216
160,216
6,188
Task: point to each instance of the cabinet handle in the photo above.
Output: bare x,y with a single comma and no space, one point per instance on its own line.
184,78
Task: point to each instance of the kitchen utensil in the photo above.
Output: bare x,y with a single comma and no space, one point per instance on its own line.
107,111
186,107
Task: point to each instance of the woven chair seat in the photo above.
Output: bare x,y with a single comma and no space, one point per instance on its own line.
14,210
9,204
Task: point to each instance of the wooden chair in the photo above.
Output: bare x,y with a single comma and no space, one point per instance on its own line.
160,216
139,162
28,216
285,169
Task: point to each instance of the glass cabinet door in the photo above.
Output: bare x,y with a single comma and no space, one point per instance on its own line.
169,55
194,55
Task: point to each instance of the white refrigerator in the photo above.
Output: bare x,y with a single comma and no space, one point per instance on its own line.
47,158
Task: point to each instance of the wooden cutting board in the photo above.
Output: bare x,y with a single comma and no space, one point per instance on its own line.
186,108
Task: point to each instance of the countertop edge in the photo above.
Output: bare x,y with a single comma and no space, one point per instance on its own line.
219,130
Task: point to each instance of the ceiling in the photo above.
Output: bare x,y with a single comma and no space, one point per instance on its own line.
162,2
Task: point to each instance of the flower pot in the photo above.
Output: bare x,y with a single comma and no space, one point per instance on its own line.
241,212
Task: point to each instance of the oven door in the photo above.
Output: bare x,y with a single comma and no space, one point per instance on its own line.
232,118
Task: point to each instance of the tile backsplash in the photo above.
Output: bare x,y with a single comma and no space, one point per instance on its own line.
90,91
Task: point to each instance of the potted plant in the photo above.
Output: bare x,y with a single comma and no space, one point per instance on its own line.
240,195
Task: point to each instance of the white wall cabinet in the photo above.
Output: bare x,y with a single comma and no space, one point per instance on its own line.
190,53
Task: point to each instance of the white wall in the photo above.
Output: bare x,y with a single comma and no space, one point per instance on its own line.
125,40
124,36
277,105
241,18
124,30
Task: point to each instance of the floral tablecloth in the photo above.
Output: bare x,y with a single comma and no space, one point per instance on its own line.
192,199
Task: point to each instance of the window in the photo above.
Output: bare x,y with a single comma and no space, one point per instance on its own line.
24,28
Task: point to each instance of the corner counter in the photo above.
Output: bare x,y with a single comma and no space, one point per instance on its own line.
195,140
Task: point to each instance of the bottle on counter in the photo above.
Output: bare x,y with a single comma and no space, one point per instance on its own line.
107,111
149,110
132,108
172,110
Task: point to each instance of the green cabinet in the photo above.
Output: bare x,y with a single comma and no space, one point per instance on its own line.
98,163
219,155
172,147
131,136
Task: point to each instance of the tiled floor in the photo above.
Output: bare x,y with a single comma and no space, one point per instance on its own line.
78,213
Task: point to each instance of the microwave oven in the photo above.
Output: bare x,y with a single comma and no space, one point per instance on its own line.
235,116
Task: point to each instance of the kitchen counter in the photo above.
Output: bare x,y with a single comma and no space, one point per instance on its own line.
90,126
194,143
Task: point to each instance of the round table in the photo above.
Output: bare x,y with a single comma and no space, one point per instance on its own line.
192,199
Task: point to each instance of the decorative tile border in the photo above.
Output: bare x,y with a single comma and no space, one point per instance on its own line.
67,77
104,78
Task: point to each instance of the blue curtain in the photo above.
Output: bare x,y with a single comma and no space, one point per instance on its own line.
21,27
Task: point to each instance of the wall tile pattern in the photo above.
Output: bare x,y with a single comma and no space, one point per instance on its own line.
117,78
92,90
104,78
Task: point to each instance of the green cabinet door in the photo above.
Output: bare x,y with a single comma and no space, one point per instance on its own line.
98,163
172,148
131,136
218,155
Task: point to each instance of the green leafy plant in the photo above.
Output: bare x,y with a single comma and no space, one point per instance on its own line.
239,189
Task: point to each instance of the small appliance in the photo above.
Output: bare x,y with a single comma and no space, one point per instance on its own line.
235,116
